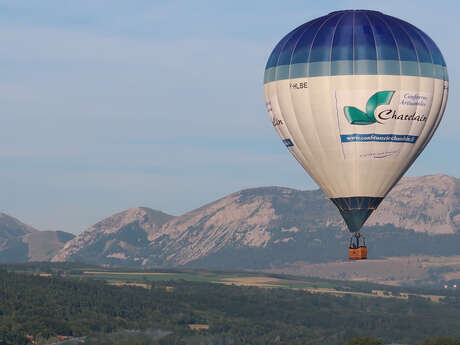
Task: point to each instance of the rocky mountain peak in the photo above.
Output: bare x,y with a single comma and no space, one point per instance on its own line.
146,217
126,231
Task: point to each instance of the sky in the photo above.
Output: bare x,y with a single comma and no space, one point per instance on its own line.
108,105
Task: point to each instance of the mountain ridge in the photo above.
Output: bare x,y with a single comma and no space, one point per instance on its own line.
252,223
21,242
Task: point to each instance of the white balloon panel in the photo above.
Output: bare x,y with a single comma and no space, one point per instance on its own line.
350,143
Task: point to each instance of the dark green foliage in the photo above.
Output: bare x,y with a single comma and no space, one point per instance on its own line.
51,306
363,341
441,341
127,337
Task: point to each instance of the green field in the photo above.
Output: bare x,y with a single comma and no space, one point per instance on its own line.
145,278
313,285
249,279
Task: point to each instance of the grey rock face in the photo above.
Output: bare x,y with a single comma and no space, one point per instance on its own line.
425,204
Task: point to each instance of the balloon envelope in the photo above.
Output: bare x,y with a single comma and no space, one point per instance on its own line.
355,96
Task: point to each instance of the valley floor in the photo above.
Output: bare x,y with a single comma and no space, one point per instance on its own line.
397,271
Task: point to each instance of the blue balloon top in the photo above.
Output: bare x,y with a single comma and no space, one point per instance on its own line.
355,42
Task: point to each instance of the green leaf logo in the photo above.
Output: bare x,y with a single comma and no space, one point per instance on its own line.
358,117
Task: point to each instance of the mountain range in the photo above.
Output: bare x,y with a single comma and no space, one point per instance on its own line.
254,228
270,226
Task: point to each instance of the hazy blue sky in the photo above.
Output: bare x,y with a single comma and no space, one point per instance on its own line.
108,105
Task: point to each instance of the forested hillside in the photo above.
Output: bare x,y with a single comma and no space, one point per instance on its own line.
49,306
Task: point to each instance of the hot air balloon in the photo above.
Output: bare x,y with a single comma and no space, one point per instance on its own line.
355,96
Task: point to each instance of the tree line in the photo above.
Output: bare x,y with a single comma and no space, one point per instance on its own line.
47,307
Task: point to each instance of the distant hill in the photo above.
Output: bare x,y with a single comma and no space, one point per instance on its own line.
123,238
43,245
20,242
272,226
